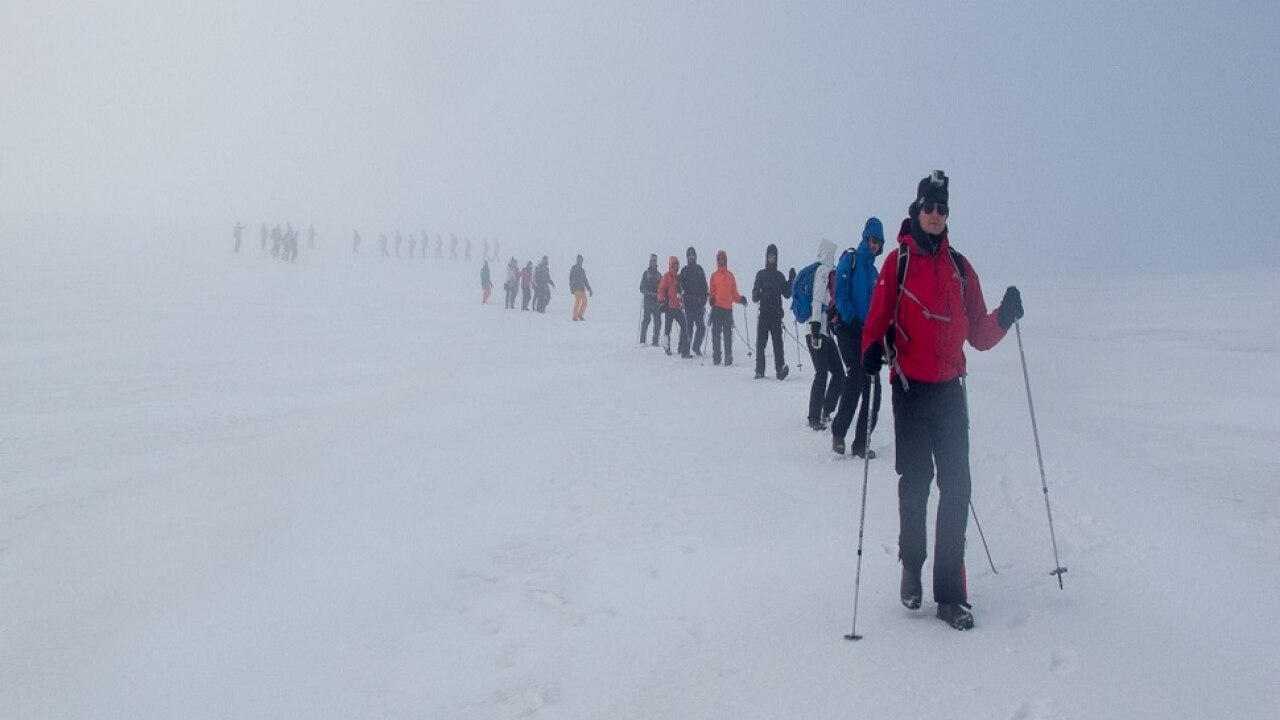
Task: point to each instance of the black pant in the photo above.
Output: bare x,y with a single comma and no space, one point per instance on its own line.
694,309
769,327
722,327
930,423
677,317
650,313
828,377
858,387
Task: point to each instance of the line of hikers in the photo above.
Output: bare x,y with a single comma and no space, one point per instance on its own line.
841,292
536,283
423,241
915,317
284,243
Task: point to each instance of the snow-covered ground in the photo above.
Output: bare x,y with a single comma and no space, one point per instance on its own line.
232,488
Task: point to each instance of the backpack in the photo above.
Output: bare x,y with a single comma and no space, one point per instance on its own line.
802,293
843,294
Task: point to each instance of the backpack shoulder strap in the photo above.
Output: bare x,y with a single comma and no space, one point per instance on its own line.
958,260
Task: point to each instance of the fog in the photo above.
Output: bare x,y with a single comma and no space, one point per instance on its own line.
1080,137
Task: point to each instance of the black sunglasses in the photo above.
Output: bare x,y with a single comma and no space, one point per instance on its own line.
930,207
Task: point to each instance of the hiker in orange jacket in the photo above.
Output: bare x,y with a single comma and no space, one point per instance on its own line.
722,292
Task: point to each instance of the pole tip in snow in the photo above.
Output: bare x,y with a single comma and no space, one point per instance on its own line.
852,636
1059,572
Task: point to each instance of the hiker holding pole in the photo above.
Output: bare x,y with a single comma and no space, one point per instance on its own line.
926,305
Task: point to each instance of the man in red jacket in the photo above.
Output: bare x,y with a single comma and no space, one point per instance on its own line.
924,325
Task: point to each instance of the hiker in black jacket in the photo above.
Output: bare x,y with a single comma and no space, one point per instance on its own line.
542,285
693,291
769,290
649,289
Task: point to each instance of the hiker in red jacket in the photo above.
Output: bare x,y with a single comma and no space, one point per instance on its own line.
923,326
671,305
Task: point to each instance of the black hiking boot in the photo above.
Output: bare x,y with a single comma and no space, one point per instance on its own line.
817,426
782,374
955,615
837,445
759,375
912,590
864,454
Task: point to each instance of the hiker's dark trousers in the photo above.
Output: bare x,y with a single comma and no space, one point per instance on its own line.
931,427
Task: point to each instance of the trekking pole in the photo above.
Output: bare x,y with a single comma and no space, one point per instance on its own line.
1044,485
964,386
799,355
984,538
746,328
862,518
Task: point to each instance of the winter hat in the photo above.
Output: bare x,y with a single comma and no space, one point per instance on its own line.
691,253
933,188
771,250
873,229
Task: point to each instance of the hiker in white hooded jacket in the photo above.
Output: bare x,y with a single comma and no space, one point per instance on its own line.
828,372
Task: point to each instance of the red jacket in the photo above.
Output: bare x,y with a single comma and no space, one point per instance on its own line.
669,285
723,290
930,345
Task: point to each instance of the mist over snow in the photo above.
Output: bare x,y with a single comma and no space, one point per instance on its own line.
1081,137
236,487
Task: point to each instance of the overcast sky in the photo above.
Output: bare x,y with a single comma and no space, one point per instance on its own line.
1079,136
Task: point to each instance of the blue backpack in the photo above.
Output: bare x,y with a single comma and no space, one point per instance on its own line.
802,293
844,285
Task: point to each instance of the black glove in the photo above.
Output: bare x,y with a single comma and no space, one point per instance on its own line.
1010,308
791,276
873,359
742,299
815,335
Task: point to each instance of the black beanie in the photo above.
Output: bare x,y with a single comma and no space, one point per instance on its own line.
690,251
771,250
933,188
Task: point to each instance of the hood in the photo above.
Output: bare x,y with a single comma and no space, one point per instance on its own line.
673,263
873,229
771,250
827,252
722,258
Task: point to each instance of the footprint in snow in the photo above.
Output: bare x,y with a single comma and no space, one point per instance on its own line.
1034,710
1063,661
1019,618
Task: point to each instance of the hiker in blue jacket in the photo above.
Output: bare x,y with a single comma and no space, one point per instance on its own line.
855,280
